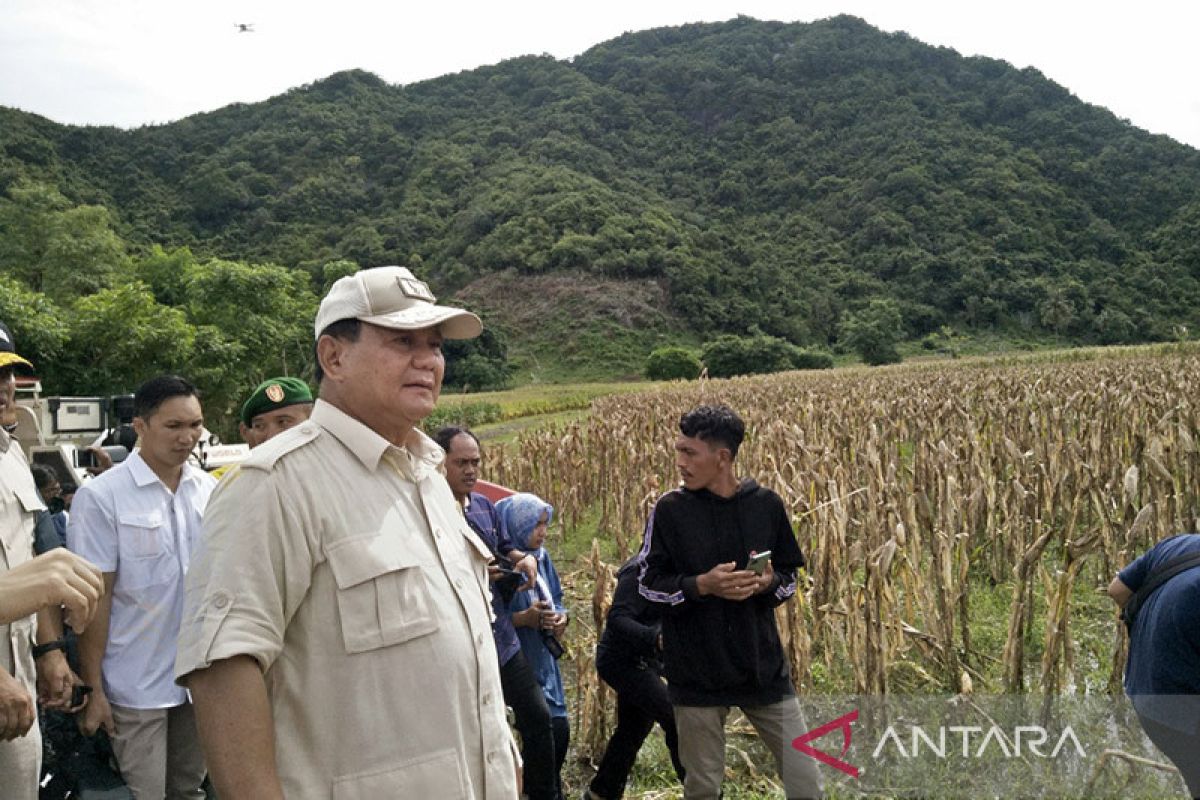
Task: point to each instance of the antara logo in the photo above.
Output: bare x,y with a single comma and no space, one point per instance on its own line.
976,740
843,722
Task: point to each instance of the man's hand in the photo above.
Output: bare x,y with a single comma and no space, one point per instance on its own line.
55,682
97,715
103,461
16,708
765,580
729,583
58,577
527,566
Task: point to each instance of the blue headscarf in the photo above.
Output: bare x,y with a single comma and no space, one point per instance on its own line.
520,513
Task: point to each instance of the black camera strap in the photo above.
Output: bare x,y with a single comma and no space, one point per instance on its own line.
1157,578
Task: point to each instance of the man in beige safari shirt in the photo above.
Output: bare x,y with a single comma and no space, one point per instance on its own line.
336,634
30,587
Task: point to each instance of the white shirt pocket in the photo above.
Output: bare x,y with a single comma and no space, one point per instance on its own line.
141,540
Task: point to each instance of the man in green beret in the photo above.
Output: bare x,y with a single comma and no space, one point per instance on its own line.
276,405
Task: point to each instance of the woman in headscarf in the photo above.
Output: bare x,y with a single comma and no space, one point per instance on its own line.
538,613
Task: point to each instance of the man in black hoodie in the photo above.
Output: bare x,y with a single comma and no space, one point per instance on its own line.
721,645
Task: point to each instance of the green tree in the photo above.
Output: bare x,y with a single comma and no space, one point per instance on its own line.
266,310
40,327
874,331
479,364
118,338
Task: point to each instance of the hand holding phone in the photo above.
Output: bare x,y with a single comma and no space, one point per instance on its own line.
758,562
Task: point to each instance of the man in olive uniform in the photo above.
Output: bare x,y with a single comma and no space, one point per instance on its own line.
336,635
274,406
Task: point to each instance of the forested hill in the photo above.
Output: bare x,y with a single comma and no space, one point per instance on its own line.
767,176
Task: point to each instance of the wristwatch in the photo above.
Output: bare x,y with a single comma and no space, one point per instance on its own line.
40,650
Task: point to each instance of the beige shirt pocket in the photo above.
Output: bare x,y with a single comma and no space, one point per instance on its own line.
383,597
141,543
438,775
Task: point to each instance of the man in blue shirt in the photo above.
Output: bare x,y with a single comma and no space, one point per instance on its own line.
521,690
1162,676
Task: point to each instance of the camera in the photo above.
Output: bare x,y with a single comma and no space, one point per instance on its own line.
86,457
78,693
553,646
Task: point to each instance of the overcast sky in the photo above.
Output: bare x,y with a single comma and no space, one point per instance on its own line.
133,62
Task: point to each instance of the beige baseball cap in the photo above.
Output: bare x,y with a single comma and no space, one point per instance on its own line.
393,297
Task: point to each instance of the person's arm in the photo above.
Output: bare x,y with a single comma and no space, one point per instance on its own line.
233,718
16,708
55,679
625,615
1119,592
56,578
777,584
661,581
92,643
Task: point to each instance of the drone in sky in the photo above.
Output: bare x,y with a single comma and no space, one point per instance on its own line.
244,27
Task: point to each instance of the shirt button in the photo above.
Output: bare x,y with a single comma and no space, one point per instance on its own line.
458,582
306,429
437,533
491,758
487,699
479,640
221,601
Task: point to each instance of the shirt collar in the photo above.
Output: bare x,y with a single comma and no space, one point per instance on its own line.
5,439
369,447
142,475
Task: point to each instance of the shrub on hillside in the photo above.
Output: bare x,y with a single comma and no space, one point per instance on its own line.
729,355
811,359
673,364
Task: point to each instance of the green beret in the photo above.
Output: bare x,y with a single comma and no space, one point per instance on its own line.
275,393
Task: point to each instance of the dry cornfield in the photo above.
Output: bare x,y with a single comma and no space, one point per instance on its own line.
914,490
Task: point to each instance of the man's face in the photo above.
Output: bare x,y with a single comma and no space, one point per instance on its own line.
170,433
700,463
390,379
8,396
269,424
462,465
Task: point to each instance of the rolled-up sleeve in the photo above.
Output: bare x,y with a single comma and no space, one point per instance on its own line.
250,573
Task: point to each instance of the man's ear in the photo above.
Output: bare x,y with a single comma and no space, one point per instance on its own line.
330,352
724,456
242,430
139,426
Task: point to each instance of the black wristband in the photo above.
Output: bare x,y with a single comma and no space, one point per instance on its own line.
40,650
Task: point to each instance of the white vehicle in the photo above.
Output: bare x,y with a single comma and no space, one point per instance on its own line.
57,432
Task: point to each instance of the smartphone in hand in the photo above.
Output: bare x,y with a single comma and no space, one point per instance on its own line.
758,562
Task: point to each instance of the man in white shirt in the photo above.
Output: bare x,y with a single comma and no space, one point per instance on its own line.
140,523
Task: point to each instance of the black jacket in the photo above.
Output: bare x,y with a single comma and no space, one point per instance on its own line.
719,652
630,639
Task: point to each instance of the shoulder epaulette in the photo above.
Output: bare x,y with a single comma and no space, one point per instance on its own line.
266,455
